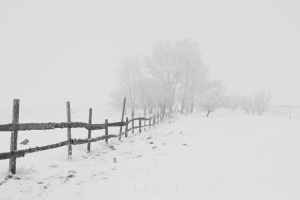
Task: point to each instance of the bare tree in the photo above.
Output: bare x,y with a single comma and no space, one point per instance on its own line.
163,66
198,83
188,55
262,100
127,79
212,99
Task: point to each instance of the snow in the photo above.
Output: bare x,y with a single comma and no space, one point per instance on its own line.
229,155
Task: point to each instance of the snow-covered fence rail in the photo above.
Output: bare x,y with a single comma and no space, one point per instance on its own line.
15,126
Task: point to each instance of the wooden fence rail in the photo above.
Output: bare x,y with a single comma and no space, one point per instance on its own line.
15,127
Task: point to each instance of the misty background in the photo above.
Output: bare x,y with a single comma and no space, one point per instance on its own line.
57,51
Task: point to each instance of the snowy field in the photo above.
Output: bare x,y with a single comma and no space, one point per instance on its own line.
228,156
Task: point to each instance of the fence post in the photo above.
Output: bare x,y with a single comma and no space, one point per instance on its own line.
157,116
153,120
140,124
69,131
14,135
126,128
149,122
90,131
132,122
106,130
122,119
144,117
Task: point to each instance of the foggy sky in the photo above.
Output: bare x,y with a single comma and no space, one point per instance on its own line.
54,51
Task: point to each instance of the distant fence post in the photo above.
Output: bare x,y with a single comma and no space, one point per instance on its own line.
126,128
157,116
69,131
90,131
144,117
106,130
122,119
14,135
153,120
140,124
150,122
132,122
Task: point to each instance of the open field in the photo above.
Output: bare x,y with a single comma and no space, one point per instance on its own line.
230,155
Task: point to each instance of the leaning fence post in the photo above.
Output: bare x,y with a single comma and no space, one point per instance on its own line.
132,122
122,119
14,135
69,131
140,124
126,128
106,130
90,131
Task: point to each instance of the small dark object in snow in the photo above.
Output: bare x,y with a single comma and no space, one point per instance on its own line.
25,142
184,144
70,176
170,122
148,138
153,147
112,147
10,175
39,182
115,160
151,142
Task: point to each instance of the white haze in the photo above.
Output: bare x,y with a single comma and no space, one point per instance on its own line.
54,51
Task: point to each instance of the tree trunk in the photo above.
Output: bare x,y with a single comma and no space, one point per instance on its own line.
186,82
207,113
192,107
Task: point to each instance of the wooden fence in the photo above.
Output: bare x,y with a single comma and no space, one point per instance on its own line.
15,126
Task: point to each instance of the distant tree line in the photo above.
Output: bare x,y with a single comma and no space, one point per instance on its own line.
256,104
174,77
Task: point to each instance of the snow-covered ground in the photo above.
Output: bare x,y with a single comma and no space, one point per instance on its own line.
230,155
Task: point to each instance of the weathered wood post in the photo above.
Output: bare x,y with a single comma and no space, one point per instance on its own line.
126,128
157,116
106,130
140,124
14,136
89,131
145,117
153,120
132,122
122,119
69,131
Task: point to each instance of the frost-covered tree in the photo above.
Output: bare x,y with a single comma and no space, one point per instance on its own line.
188,57
197,84
247,104
233,101
127,79
262,100
163,67
213,98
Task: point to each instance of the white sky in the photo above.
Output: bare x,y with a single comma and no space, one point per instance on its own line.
54,51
